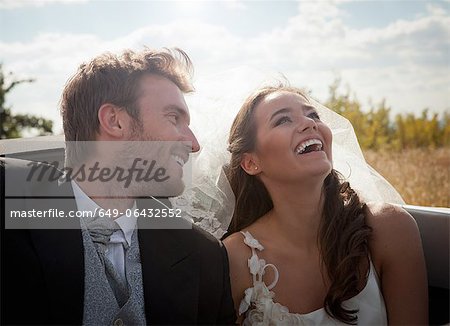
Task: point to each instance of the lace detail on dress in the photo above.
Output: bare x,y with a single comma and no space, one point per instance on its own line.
258,304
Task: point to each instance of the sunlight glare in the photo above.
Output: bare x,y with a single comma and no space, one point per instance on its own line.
189,8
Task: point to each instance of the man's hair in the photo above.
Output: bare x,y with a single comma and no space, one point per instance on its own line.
114,79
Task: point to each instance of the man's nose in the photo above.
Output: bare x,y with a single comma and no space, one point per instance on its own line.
191,137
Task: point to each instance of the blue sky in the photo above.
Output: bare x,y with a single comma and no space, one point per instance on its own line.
396,50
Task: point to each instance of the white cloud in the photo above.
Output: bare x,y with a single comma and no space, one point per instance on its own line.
436,10
405,62
398,62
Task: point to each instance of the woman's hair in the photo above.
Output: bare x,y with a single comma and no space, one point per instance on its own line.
343,232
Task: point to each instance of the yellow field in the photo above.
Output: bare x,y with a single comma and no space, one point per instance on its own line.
421,176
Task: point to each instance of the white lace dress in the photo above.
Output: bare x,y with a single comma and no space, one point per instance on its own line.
260,308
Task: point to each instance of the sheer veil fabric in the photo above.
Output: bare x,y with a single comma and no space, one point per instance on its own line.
208,200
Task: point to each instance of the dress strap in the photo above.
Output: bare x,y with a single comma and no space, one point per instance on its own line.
256,265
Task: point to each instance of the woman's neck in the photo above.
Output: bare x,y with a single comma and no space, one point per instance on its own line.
297,212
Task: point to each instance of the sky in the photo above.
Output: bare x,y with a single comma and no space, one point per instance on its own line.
392,50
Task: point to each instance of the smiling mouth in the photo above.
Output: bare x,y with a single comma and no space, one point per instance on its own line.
308,146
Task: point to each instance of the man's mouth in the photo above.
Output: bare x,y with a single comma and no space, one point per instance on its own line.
308,146
179,160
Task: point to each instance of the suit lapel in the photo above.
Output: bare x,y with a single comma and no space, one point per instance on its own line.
62,255
170,271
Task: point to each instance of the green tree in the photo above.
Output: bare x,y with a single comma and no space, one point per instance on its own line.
423,131
350,108
379,130
12,125
446,129
376,131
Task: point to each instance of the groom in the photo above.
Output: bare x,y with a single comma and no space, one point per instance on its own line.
116,253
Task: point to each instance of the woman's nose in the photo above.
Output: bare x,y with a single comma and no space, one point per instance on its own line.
306,123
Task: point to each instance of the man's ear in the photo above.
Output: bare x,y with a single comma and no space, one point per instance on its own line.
112,120
249,164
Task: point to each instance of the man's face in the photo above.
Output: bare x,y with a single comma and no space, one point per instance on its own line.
163,129
163,112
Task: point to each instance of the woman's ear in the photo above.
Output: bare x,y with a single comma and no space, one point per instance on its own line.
112,121
249,164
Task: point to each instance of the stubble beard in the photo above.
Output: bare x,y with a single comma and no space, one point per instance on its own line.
170,188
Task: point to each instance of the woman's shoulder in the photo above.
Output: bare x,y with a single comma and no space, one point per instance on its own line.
236,247
238,256
396,250
388,218
395,233
234,243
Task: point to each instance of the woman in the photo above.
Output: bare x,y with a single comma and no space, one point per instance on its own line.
309,251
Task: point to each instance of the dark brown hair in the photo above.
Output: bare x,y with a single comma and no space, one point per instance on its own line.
114,79
343,232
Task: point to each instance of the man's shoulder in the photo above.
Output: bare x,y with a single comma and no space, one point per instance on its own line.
180,227
204,236
204,244
181,234
192,235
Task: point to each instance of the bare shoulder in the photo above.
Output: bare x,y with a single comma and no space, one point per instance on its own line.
237,250
396,251
389,219
395,234
238,255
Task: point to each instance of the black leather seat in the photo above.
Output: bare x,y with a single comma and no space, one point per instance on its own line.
434,226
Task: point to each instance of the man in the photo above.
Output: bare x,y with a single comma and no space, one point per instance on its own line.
123,116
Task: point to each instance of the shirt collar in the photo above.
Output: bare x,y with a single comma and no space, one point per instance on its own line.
126,223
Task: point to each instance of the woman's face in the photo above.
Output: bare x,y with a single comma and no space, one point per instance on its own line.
292,142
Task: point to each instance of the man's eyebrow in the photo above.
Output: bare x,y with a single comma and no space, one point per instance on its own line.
280,111
173,107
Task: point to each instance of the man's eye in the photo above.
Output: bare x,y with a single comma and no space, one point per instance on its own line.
173,118
283,120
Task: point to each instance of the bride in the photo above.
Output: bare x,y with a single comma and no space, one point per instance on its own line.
304,248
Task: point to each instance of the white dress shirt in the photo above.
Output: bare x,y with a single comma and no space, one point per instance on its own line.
115,250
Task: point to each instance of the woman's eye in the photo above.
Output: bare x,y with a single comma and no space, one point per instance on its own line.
283,120
314,116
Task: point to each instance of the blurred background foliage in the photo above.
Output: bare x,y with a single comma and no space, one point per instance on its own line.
14,125
377,131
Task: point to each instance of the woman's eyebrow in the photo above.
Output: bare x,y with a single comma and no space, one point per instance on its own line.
280,111
310,107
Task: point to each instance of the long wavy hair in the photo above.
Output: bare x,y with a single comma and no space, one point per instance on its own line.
343,233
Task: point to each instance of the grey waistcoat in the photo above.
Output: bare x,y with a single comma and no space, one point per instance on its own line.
100,305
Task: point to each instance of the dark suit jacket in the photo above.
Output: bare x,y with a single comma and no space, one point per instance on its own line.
185,272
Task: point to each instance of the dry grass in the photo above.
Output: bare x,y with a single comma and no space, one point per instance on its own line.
421,176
